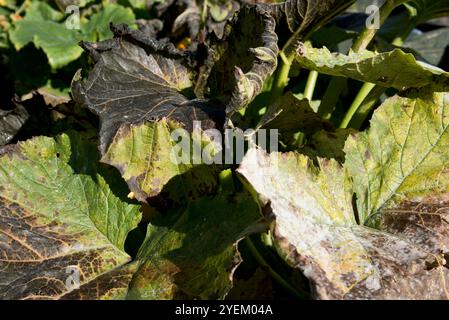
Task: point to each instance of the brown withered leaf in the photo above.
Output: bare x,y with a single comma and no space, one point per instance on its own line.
238,65
391,242
143,97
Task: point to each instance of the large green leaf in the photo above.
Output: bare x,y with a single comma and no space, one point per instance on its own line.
403,154
43,26
315,229
144,155
58,215
192,253
98,26
41,10
395,69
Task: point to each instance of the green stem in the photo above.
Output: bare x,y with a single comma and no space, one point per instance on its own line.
366,36
310,85
330,98
400,39
287,56
366,107
362,42
264,264
267,239
369,93
281,78
361,96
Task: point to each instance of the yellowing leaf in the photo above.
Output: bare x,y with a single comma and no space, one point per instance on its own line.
62,233
404,153
314,229
395,69
144,156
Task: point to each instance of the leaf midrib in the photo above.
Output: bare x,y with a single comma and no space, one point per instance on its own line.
411,171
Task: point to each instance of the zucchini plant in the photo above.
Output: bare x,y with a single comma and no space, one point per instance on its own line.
217,149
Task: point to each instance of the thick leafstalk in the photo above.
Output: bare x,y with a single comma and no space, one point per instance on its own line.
366,107
361,43
310,85
361,96
281,77
369,94
288,53
330,98
367,35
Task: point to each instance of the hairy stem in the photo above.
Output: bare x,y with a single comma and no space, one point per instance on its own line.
362,42
281,78
331,96
310,85
366,36
366,107
361,96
